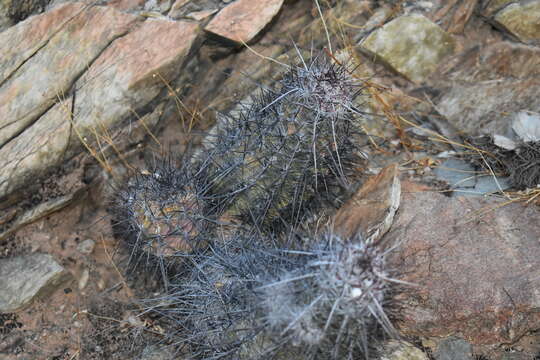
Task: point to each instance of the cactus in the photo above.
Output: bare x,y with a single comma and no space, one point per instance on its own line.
248,299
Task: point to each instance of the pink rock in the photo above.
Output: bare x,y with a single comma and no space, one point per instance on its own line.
476,263
242,20
53,60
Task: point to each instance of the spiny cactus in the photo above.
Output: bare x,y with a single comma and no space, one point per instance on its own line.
164,210
245,300
267,166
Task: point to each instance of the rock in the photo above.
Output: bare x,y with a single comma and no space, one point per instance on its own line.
83,279
475,262
454,348
201,15
411,45
127,5
372,208
400,350
113,81
38,212
522,20
242,20
526,125
489,86
466,181
26,278
86,247
13,11
44,78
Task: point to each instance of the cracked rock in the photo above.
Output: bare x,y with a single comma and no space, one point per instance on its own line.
89,74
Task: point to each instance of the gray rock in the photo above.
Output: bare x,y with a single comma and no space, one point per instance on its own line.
86,247
464,180
454,348
411,45
26,278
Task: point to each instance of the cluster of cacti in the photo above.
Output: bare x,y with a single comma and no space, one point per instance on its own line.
251,299
258,290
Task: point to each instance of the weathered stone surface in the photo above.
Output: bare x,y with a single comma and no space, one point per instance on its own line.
127,5
44,78
25,278
476,265
242,20
126,76
454,348
371,210
487,86
411,45
150,56
522,20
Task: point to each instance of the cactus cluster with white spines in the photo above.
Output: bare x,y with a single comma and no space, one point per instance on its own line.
249,299
250,294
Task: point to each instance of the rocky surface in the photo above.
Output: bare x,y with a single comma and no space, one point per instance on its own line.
521,20
475,262
88,91
411,45
454,348
24,279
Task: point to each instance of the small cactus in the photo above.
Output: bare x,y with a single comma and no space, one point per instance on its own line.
244,300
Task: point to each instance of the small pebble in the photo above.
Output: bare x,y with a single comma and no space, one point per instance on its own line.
86,247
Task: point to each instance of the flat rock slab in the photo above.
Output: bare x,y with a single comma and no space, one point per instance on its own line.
242,20
116,70
411,45
46,76
521,20
26,278
477,264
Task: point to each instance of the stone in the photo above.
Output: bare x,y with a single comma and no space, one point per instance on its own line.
401,350
44,78
26,278
453,348
411,45
371,210
475,262
522,20
465,180
489,86
127,5
242,20
86,247
201,15
112,80
38,212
